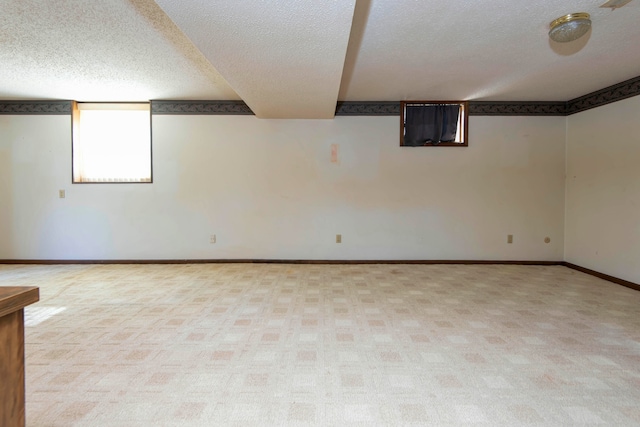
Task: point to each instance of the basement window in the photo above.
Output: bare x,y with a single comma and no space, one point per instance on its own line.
111,142
434,123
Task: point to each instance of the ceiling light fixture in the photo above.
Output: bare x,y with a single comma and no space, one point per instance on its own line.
570,27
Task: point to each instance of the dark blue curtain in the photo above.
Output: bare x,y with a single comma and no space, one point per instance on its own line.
430,124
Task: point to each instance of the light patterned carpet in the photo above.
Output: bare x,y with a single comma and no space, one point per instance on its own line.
334,345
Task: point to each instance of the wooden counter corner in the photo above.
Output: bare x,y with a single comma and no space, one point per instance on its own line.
13,298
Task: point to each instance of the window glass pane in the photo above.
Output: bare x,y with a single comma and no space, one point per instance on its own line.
112,144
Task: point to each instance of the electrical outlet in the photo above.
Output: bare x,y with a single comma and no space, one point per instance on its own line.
212,239
509,238
338,238
61,194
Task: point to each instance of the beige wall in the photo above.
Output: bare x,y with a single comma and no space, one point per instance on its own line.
268,189
603,189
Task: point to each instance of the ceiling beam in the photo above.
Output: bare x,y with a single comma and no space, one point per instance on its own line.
284,59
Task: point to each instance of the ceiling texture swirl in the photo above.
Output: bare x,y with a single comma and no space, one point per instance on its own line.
299,58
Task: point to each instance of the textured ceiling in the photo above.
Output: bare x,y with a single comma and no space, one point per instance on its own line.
297,58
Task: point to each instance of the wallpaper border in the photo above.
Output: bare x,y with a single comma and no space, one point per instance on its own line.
610,94
35,107
368,108
517,108
200,107
617,92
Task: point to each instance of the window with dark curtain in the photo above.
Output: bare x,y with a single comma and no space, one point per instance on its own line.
431,124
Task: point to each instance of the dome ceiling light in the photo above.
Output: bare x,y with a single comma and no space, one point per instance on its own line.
570,27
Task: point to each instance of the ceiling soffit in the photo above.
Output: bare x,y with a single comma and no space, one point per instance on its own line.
284,59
